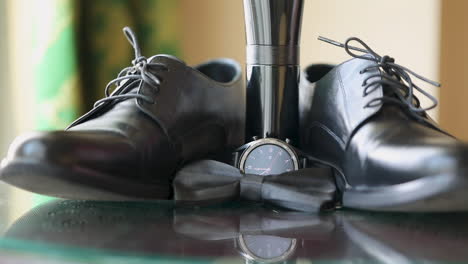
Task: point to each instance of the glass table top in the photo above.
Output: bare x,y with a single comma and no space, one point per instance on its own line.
65,231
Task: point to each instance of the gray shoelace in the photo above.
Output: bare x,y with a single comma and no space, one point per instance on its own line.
395,77
128,79
139,73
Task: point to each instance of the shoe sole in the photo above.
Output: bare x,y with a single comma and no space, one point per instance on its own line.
71,183
440,193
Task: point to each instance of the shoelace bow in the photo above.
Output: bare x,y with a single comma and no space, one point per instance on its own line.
394,76
134,75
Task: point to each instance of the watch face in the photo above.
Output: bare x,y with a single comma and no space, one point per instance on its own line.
269,158
267,248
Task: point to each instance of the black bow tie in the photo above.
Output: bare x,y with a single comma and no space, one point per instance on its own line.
205,181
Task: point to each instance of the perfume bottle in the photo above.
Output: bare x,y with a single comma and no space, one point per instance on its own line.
273,33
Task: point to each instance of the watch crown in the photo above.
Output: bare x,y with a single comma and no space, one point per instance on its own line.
254,138
288,141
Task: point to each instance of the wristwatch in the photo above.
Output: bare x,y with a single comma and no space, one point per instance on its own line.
268,156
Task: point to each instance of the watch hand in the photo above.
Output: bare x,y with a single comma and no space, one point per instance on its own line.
273,160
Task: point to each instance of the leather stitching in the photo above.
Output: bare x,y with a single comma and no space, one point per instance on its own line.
343,91
329,131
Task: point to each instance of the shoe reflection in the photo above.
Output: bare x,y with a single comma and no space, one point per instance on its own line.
408,238
250,233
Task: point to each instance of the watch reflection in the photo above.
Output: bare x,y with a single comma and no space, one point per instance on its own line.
261,236
266,249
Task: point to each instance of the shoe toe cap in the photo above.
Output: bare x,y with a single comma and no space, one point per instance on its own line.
39,146
67,147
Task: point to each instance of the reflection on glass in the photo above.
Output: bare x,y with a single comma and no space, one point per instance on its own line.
266,249
161,231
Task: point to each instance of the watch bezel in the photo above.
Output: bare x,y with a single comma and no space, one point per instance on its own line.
266,141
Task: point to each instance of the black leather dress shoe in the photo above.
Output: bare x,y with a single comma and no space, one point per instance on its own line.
363,118
161,114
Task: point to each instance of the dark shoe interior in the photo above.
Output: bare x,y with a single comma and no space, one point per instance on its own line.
317,71
219,71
